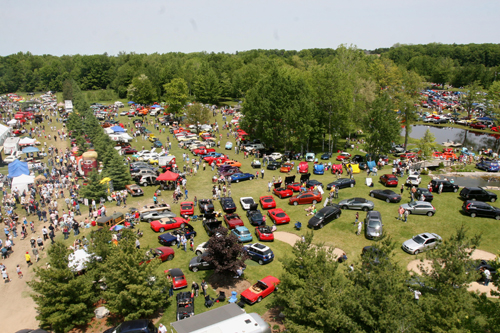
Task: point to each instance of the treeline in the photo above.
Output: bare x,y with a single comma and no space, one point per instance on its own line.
459,65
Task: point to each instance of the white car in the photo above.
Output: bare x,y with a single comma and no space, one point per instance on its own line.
413,180
310,157
150,156
123,113
200,249
246,202
276,156
12,157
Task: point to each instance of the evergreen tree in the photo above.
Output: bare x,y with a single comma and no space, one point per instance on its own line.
117,171
94,189
207,87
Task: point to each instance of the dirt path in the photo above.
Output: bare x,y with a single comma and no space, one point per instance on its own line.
291,239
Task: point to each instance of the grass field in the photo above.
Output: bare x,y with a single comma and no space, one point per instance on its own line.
339,233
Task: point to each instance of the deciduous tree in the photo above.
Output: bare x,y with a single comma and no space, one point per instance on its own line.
141,90
381,125
176,94
197,114
225,252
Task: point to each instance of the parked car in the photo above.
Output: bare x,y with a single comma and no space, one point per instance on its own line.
295,187
267,202
482,209
423,194
129,150
413,180
341,183
170,239
200,263
185,305
246,202
187,208
319,169
255,164
389,180
305,198
227,204
255,217
357,203
157,215
134,190
477,193
259,253
134,326
447,185
422,242
287,167
274,165
200,249
487,165
261,289
281,192
324,216
168,223
229,145
162,253
312,183
387,195
205,206
239,177
264,233
242,233
303,167
178,278
278,216
276,156
233,220
343,156
310,157
420,208
326,156
373,225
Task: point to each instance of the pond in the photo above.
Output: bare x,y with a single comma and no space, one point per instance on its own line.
471,139
474,181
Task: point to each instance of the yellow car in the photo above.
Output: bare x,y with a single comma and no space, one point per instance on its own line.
355,168
152,138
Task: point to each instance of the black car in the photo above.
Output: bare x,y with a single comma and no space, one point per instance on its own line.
324,216
373,225
313,182
200,263
387,195
206,206
447,185
423,194
134,326
480,264
170,238
273,165
228,205
341,183
357,159
478,208
210,223
185,305
326,156
477,193
255,217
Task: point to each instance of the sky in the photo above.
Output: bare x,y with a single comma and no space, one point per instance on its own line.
60,27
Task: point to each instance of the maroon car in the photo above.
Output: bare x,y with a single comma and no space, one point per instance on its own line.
163,253
229,172
389,180
129,150
233,220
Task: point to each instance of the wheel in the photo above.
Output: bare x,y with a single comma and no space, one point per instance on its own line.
261,262
387,200
344,207
183,225
198,253
493,200
295,203
162,229
259,299
280,196
497,217
237,180
455,190
472,214
365,209
314,202
173,243
430,213
416,252
170,257
372,195
337,216
251,178
195,269
150,220
352,185
320,226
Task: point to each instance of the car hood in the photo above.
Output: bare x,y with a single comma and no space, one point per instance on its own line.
195,261
373,232
314,221
411,244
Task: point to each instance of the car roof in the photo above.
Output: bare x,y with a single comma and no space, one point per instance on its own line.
327,209
134,324
259,246
240,228
374,214
176,272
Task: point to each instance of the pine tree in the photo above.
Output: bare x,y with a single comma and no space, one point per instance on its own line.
117,171
94,189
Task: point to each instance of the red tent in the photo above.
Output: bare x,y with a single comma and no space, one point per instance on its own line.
169,175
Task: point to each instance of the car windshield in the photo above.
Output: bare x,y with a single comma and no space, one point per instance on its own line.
419,240
186,207
319,215
244,232
374,224
412,204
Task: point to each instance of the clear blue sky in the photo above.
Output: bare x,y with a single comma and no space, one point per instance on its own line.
96,26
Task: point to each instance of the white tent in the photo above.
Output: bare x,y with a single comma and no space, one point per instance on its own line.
12,122
22,182
78,260
27,141
5,132
108,130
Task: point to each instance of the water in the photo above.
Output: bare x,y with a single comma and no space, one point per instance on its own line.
473,181
471,139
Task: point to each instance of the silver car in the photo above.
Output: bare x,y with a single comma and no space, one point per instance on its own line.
422,242
153,216
373,225
357,203
420,208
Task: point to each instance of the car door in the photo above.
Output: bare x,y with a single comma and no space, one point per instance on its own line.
329,216
306,198
430,243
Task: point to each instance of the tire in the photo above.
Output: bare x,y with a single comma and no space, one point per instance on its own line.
455,190
195,269
493,200
198,253
337,216
344,207
387,200
430,213
261,262
162,229
372,195
365,209
352,185
170,257
173,243
497,217
150,220
237,181
416,252
183,225
314,202
259,299
295,203
251,178
280,196
472,214
320,226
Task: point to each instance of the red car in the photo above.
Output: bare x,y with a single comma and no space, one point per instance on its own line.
303,167
408,155
178,278
343,156
305,198
294,187
283,192
267,202
187,208
129,150
203,151
264,233
287,167
478,126
389,180
233,220
278,216
168,223
163,253
210,159
261,289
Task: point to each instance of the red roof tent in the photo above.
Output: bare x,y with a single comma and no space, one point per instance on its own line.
169,176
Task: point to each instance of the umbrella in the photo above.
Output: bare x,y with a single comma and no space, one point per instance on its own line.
456,114
117,227
169,175
105,180
156,106
30,150
130,102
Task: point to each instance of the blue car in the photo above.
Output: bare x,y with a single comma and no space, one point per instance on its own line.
490,166
326,156
157,144
170,238
239,177
213,153
319,169
229,145
243,234
259,253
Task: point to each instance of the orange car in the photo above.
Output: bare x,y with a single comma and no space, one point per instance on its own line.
286,167
230,163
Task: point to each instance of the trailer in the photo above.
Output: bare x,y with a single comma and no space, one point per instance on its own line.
226,319
68,106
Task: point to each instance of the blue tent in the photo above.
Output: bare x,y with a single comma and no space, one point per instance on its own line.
30,150
130,102
117,129
18,168
156,106
370,164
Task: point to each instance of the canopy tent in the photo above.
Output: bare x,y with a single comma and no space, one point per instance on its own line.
77,261
27,141
28,150
12,122
130,102
18,168
108,130
117,129
169,175
5,132
22,182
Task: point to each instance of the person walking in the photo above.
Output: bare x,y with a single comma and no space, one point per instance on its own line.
400,213
178,241
360,227
35,253
416,295
487,276
28,259
402,189
19,273
184,243
440,188
357,218
406,213
186,194
262,173
196,289
191,243
137,244
204,287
